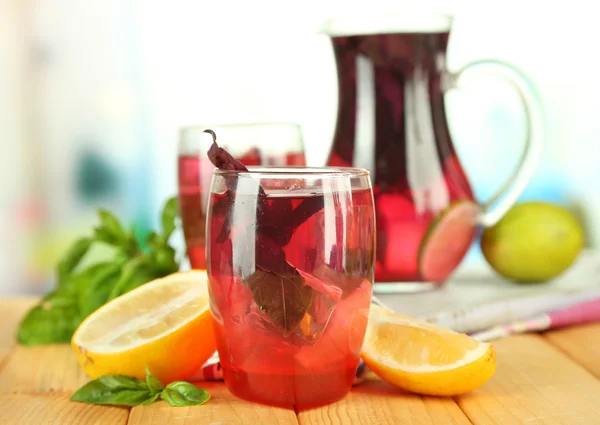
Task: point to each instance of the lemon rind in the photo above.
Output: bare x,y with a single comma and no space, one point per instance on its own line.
111,349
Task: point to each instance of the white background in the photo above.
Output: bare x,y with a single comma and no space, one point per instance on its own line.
129,73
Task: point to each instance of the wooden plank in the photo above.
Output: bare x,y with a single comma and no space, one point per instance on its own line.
535,384
41,369
581,343
11,312
376,402
223,408
25,409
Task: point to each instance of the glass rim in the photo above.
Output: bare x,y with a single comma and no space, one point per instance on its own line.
216,125
295,172
418,21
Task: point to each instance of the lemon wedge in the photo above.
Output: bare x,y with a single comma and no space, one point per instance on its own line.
165,325
423,358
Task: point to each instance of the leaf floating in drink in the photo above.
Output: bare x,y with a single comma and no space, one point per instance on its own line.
221,158
283,298
277,287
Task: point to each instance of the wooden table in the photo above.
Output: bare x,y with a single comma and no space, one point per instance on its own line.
541,379
547,379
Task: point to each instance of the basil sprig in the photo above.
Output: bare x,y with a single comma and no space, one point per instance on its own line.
82,287
128,391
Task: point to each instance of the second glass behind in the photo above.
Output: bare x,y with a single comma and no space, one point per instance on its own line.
290,266
272,144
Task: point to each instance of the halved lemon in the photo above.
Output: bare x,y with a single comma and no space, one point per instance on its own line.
423,358
165,325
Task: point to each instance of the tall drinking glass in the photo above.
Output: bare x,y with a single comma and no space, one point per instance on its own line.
274,144
290,265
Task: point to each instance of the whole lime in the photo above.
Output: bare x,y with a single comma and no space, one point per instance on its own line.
533,242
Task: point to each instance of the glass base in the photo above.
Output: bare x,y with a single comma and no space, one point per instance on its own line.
404,287
297,407
285,390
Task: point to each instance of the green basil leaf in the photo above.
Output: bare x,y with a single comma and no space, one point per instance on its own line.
73,257
80,280
65,297
114,389
181,393
130,247
127,274
163,260
168,217
112,226
153,382
81,291
151,400
45,324
95,293
142,276
120,382
103,235
155,241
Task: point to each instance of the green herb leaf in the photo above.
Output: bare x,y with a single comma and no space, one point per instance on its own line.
151,400
49,324
73,257
112,226
284,298
141,277
127,391
82,289
115,389
153,382
95,293
127,274
60,298
130,247
80,280
103,235
163,260
154,240
180,393
169,214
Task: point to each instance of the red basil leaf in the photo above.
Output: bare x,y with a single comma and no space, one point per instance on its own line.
284,298
222,159
277,287
281,225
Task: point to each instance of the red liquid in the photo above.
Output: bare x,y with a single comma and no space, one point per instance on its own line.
195,174
416,173
316,362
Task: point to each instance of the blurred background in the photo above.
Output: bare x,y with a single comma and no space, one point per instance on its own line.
92,96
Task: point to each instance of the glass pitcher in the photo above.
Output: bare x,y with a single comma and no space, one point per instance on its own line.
391,119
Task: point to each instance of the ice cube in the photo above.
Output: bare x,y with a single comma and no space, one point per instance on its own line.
325,297
320,285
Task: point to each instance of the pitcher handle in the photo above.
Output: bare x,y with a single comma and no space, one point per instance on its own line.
517,182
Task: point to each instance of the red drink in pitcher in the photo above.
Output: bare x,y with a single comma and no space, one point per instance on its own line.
416,174
392,120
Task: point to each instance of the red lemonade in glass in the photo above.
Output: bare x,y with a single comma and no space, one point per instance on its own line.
290,335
